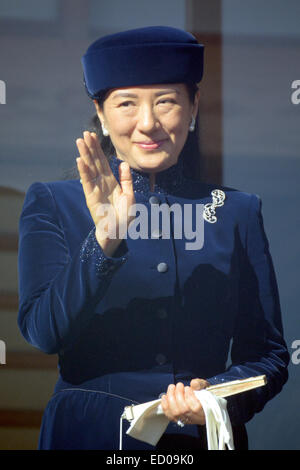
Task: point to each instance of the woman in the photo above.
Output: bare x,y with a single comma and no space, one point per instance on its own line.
146,313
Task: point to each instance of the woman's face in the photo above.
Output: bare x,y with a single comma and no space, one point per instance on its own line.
148,125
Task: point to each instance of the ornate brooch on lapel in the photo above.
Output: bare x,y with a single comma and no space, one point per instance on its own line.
209,212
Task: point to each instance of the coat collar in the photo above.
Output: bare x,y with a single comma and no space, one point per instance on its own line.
168,181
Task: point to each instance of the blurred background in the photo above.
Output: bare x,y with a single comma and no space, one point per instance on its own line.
249,139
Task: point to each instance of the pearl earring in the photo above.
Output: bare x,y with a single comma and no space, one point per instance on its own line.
192,125
104,130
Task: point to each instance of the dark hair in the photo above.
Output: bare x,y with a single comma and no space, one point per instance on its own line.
190,152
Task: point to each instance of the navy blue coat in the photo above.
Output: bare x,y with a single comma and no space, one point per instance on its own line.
125,327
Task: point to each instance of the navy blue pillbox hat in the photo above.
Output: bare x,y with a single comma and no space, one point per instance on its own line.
143,56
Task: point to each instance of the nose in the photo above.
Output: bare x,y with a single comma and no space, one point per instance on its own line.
147,120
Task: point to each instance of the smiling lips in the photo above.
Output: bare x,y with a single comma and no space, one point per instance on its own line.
151,145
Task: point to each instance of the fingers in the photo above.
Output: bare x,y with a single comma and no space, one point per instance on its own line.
101,188
91,152
91,148
96,163
169,404
181,404
86,175
99,156
193,403
86,155
173,403
92,163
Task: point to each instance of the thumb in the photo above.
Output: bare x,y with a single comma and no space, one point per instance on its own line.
126,178
199,384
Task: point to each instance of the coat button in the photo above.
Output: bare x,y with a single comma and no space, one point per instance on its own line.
154,200
162,267
160,359
162,313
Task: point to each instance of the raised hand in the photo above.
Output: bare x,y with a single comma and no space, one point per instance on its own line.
107,200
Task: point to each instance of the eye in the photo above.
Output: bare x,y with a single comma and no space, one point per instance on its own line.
126,104
166,101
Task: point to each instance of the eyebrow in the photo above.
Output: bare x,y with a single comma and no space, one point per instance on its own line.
124,94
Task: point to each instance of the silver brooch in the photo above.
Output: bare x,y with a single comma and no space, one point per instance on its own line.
209,213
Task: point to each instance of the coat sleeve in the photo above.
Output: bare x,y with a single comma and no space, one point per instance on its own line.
258,346
57,292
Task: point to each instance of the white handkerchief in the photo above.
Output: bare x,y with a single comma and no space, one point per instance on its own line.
148,422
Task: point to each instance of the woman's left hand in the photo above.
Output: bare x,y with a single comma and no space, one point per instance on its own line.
181,404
